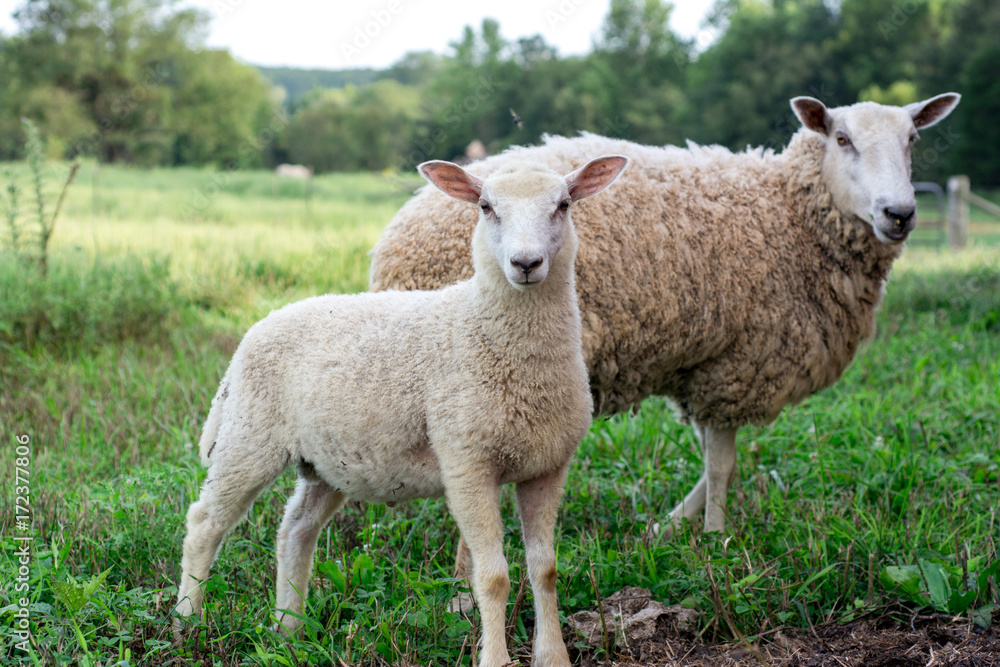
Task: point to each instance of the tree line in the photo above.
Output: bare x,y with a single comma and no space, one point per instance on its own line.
130,81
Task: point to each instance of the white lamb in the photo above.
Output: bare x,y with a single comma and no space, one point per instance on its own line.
733,283
394,396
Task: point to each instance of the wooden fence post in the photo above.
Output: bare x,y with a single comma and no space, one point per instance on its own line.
958,211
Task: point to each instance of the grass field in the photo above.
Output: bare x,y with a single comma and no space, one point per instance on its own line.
877,496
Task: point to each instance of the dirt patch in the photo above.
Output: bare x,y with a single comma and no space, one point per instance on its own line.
892,640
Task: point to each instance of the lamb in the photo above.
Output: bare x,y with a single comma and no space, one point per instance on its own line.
733,284
401,395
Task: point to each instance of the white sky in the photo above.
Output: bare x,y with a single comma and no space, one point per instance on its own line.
325,34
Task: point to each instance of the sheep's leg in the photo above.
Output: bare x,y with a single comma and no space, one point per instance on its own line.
694,502
720,467
538,502
709,494
474,505
226,496
308,510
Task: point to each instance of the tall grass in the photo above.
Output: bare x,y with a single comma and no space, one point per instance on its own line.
897,466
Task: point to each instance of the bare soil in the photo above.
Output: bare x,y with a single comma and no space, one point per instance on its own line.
888,641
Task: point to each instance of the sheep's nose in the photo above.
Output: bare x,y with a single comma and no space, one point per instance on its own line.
527,265
899,215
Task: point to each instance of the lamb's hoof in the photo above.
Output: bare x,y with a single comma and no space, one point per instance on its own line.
463,603
179,630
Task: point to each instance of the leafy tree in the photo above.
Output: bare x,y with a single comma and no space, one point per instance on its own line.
354,128
770,52
976,152
638,71
125,80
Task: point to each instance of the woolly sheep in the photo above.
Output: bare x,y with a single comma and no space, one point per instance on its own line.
400,395
734,284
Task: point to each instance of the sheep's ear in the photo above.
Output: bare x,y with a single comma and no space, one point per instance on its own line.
813,114
929,112
594,176
452,180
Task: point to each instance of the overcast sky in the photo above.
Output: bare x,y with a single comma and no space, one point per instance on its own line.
335,34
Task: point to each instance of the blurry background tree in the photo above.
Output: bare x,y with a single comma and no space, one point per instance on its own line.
130,81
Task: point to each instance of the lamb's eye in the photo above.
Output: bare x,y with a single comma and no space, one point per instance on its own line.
842,139
564,206
914,138
486,207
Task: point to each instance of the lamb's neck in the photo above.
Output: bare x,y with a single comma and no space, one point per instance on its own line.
546,313
845,240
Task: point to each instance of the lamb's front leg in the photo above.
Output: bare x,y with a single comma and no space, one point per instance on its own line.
538,502
473,501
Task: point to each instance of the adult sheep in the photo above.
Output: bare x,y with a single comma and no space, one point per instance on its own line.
734,284
394,396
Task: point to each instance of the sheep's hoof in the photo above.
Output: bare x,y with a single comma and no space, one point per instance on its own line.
463,603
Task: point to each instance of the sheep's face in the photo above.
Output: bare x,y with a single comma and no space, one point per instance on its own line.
524,213
867,161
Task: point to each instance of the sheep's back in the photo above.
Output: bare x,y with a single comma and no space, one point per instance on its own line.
694,279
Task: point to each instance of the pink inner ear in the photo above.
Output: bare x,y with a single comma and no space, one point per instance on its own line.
453,180
594,176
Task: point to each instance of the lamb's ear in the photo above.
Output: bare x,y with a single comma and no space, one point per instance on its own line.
594,176
813,114
928,112
452,180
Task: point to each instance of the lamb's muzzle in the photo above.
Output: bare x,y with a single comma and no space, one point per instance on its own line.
527,265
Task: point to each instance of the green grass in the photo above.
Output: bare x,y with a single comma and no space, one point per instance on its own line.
897,466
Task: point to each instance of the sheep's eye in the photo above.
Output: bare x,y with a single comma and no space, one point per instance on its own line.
914,137
485,207
564,206
842,139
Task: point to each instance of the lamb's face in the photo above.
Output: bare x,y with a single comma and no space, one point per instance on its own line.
524,219
524,213
867,162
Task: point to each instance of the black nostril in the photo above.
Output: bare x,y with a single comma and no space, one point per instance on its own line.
900,215
527,266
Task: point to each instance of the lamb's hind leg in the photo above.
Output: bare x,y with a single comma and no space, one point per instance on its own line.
538,503
232,484
308,510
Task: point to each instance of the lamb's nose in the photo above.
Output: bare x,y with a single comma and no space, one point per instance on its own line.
528,264
899,215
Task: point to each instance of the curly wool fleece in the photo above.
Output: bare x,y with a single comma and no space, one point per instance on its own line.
726,282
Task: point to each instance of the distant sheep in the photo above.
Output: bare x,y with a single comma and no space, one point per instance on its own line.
400,395
734,284
294,171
